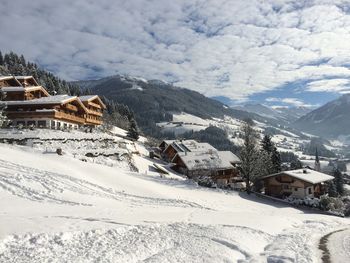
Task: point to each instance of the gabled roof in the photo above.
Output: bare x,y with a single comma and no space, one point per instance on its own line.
204,160
51,100
27,77
190,146
10,77
91,98
20,88
307,175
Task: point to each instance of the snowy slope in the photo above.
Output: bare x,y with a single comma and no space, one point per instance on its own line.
58,209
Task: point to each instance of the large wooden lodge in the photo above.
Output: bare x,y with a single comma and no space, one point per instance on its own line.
29,104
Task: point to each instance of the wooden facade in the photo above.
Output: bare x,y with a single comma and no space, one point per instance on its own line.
95,107
284,184
31,105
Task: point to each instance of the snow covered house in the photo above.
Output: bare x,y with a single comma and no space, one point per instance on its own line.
183,146
29,104
299,183
195,159
221,166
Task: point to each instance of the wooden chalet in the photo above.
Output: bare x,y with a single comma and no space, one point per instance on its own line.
95,107
184,146
221,166
299,183
28,104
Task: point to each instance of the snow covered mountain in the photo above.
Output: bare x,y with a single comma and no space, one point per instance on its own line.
331,120
155,101
283,114
63,209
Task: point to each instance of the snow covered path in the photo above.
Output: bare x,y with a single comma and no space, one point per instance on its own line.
58,209
339,246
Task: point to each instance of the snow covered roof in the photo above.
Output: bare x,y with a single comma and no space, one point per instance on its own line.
20,88
229,156
191,146
24,77
307,175
205,160
9,89
58,99
6,77
92,97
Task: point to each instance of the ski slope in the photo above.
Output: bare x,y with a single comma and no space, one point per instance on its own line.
60,209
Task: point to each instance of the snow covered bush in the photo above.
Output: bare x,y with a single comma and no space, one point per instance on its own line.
206,181
307,201
332,204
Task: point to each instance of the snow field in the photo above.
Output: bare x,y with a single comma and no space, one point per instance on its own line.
58,209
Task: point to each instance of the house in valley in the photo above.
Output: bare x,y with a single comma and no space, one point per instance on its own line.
299,183
221,166
183,146
197,160
29,104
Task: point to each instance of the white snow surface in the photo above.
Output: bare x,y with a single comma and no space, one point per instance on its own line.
339,246
60,209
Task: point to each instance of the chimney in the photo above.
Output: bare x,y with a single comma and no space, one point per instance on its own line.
304,171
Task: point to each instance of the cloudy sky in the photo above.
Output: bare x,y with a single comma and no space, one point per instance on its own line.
278,52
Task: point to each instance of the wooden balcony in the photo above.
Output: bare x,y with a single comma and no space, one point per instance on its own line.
95,113
50,114
90,121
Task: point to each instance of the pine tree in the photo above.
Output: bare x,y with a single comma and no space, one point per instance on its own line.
266,144
133,132
331,189
270,149
276,161
338,181
249,155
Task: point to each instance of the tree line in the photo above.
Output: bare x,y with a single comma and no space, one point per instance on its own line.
116,114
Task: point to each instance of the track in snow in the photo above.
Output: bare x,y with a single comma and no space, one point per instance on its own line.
43,186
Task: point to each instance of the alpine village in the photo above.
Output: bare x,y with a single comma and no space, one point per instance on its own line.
256,166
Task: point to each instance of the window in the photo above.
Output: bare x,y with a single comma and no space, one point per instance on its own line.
295,189
42,124
310,191
53,124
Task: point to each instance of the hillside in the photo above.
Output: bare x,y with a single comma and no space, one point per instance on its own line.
155,101
283,115
330,121
58,207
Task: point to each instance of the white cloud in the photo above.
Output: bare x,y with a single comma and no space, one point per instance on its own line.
220,48
289,101
329,85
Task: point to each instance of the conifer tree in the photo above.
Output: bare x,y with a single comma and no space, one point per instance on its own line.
338,181
133,132
270,149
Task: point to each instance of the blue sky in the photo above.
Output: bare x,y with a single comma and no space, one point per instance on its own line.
275,52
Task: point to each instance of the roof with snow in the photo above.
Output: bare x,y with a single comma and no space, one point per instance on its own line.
21,88
307,175
205,160
57,99
191,146
92,97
